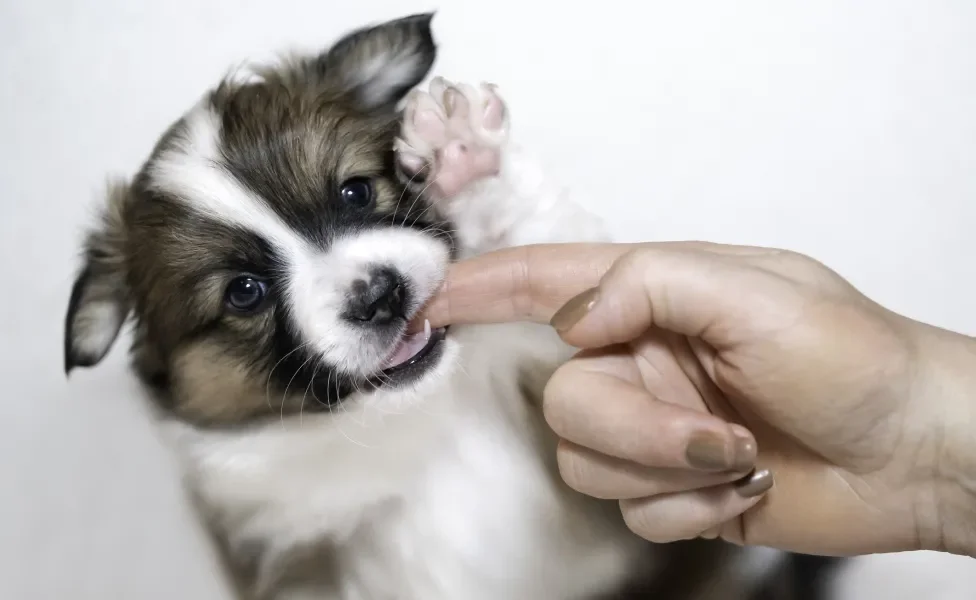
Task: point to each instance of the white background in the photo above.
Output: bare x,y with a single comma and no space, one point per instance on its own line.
845,129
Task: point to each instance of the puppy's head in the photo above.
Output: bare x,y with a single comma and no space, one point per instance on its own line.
268,249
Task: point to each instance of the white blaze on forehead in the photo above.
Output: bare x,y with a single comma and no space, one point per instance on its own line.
192,169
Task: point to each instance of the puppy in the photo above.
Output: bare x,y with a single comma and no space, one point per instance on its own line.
271,253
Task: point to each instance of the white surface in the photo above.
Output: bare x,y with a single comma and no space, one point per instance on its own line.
906,576
842,129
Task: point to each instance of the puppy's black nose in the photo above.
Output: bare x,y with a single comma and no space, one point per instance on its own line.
379,301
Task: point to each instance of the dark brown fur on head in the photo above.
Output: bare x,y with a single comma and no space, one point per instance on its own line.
290,137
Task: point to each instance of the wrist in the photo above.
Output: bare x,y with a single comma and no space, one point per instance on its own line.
943,408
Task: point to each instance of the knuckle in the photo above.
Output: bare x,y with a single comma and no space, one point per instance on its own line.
573,468
555,398
634,259
522,303
799,259
803,263
663,525
639,518
551,410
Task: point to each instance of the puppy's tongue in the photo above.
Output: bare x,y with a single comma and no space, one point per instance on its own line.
410,345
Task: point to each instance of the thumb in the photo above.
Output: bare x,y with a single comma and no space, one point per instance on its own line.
690,292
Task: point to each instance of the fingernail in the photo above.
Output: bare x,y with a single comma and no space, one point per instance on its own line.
574,310
706,451
755,484
745,453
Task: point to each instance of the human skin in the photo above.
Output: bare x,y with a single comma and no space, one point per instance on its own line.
745,393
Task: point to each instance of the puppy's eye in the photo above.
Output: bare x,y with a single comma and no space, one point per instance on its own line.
357,192
246,294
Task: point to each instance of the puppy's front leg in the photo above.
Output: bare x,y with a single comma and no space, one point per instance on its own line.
455,145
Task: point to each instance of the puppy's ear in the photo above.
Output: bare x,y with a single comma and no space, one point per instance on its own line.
99,301
378,65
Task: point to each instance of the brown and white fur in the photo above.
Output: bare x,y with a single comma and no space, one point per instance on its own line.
271,253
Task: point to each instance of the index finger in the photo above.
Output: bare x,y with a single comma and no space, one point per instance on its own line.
530,283
524,283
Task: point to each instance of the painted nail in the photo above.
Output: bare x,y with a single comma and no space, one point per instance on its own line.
574,310
745,453
755,484
706,451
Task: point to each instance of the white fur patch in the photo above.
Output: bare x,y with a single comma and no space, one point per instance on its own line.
192,171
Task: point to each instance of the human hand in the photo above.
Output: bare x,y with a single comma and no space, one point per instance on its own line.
697,354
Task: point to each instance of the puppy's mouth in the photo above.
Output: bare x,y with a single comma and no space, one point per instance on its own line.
413,349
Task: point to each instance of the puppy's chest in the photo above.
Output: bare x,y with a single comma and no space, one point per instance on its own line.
453,497
472,512
484,520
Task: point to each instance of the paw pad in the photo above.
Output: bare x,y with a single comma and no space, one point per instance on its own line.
452,135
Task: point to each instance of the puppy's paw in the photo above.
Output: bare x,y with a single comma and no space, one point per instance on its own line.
452,135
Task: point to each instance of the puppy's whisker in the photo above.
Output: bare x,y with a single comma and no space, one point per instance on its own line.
342,408
301,407
423,212
438,228
328,387
431,204
338,394
403,193
434,202
439,232
326,403
460,366
284,395
267,385
336,419
417,197
359,391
